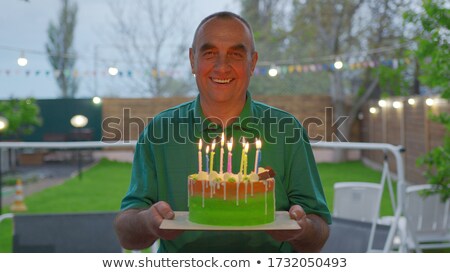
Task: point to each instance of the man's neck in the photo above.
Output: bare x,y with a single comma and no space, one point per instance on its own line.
222,113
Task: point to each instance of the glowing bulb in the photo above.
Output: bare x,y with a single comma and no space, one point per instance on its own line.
3,123
382,103
273,72
113,70
429,101
79,121
96,100
22,61
338,65
373,110
411,101
397,104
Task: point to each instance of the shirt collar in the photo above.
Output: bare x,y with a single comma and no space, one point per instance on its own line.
207,125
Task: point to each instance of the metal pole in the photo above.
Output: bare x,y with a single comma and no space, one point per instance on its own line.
79,164
1,182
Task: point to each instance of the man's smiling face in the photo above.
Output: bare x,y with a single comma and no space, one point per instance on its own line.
223,60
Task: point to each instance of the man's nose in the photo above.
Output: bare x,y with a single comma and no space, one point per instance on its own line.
222,63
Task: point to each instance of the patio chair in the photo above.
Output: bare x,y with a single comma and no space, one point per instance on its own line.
64,233
428,223
357,200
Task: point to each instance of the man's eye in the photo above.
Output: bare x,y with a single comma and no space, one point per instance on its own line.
208,54
237,55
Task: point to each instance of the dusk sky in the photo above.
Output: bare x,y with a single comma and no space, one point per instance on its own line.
23,29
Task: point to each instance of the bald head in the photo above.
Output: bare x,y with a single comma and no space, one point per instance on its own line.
225,15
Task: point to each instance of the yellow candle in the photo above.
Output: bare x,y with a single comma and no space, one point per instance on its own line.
241,167
245,158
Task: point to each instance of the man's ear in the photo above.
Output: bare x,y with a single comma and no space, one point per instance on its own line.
191,59
254,61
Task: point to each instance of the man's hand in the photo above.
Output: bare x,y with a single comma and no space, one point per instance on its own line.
139,229
157,213
311,236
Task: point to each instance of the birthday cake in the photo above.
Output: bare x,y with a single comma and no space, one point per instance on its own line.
231,199
227,199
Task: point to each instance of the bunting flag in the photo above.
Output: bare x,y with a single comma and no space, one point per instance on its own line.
260,70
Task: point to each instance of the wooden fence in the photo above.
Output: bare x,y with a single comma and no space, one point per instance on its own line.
407,124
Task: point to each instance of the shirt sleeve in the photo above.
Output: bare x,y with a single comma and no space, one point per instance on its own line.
142,191
304,186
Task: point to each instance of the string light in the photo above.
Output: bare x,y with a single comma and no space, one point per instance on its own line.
411,101
382,103
429,101
113,71
338,64
397,104
373,110
96,100
273,72
22,61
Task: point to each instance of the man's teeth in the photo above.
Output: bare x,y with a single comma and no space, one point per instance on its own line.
222,81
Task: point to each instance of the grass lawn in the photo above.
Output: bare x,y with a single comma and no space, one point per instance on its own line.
104,185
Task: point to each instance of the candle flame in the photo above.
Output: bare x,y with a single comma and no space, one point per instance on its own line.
200,144
213,145
230,145
258,144
246,147
222,141
207,149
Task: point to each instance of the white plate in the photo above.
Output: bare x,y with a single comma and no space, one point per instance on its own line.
181,222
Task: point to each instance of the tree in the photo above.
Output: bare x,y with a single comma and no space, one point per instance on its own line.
150,36
433,53
344,30
60,50
22,116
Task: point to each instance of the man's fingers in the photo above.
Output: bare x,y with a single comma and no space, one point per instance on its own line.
296,212
164,210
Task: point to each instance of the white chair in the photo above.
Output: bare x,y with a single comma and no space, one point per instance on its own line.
427,219
357,200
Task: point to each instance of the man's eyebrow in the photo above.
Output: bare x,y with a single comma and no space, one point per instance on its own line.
206,46
239,47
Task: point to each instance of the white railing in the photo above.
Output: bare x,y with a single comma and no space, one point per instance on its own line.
395,150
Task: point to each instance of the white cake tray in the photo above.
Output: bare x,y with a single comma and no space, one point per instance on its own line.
181,222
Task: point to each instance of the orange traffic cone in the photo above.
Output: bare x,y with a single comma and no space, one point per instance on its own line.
19,204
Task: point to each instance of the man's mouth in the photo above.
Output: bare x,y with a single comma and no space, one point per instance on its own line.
221,81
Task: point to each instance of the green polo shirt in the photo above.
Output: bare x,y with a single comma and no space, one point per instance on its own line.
167,153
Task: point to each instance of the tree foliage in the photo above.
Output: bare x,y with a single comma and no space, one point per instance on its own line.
60,49
433,53
22,115
311,32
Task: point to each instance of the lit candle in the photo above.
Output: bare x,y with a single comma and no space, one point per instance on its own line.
245,158
207,159
211,160
241,167
222,143
257,155
230,155
200,144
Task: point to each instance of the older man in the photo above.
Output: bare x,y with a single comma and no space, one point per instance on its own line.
223,59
